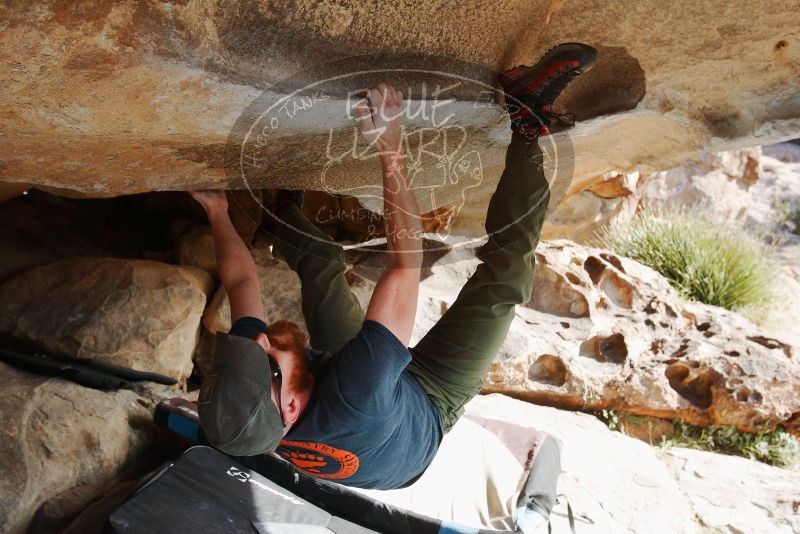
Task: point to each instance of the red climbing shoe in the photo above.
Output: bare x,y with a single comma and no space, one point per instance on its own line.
531,91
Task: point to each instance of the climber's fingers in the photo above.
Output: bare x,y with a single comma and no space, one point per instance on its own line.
366,122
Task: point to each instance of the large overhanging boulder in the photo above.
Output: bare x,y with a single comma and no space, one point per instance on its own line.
103,98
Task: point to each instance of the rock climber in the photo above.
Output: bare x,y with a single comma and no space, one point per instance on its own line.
361,408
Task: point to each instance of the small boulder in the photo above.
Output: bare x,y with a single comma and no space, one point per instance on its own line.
136,313
196,249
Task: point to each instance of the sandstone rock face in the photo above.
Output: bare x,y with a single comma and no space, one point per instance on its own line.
62,445
135,313
137,96
603,331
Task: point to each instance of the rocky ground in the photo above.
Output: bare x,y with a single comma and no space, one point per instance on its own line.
601,332
615,483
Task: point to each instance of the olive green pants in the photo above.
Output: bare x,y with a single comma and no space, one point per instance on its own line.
451,359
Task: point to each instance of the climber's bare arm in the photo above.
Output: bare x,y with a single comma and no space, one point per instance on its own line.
237,272
394,300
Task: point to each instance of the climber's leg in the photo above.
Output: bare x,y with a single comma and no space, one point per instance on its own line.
332,312
539,494
451,359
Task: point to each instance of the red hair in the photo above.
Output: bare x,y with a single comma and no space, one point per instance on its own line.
289,337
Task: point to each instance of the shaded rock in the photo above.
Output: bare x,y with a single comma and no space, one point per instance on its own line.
342,217
612,196
246,210
651,430
345,219
788,152
39,228
196,249
136,313
732,495
62,445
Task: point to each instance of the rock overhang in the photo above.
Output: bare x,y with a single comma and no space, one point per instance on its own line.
110,99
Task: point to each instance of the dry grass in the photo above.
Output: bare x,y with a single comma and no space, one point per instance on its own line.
704,260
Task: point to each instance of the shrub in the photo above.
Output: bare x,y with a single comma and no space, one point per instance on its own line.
704,260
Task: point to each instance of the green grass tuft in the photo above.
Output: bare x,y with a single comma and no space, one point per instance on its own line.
776,447
703,259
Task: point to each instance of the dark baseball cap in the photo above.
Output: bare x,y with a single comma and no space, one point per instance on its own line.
235,404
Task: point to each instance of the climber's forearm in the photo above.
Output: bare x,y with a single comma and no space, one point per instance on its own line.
237,271
394,299
234,262
401,218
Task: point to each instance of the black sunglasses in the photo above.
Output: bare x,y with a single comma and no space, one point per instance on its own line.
275,371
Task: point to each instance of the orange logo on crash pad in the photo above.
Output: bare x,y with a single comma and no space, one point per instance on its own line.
319,460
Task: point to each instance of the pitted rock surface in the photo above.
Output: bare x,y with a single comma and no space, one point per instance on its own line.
642,349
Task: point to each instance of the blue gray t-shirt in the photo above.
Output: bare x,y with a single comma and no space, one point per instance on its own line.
369,424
